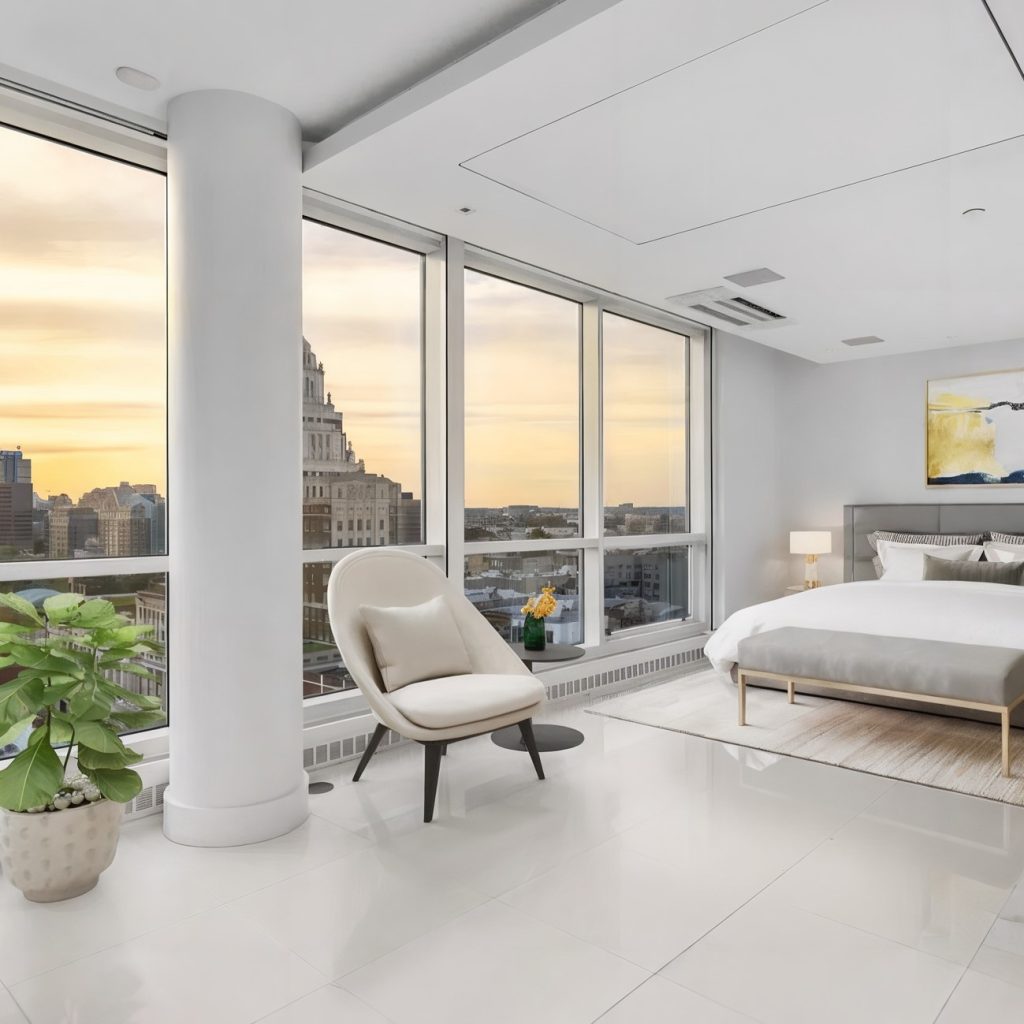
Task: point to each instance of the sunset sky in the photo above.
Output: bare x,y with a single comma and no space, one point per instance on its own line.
83,350
82,336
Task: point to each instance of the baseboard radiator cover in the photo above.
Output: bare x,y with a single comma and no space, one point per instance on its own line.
345,739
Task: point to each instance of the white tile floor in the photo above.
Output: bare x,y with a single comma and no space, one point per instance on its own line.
653,878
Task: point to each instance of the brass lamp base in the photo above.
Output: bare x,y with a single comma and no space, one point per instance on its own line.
811,581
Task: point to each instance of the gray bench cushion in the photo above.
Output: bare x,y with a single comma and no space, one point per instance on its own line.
988,675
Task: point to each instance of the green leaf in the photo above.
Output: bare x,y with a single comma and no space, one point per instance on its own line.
126,636
62,607
58,689
117,784
89,758
98,614
131,720
44,659
61,730
140,701
9,629
12,733
18,699
135,670
23,608
98,737
32,778
89,701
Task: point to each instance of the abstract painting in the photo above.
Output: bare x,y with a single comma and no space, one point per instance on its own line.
976,429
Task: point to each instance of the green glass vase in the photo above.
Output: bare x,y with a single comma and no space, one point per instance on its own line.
534,637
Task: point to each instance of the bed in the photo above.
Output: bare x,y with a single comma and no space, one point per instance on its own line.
961,612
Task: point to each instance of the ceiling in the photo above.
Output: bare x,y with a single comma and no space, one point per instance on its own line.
326,61
649,147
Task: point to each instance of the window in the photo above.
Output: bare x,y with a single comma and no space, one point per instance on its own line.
83,385
499,583
522,426
362,417
645,437
83,351
362,382
644,586
142,599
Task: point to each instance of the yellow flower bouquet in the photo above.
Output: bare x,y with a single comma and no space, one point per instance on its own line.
536,610
543,606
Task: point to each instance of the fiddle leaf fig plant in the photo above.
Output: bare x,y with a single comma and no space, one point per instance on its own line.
64,693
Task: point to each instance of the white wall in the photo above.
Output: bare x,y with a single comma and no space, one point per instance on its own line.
856,432
796,441
751,561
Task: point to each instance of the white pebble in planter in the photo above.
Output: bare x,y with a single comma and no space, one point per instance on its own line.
56,855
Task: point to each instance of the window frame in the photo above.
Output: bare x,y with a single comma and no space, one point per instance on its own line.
592,542
146,150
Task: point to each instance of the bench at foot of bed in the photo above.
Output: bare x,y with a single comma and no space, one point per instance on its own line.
932,672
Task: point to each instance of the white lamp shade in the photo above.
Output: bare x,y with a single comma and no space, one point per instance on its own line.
810,542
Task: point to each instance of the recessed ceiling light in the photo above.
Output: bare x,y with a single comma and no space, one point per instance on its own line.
973,211
137,79
762,275
466,209
868,339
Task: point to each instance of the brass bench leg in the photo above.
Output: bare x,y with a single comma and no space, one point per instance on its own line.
792,692
742,682
1006,740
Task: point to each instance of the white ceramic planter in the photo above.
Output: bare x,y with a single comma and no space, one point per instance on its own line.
55,855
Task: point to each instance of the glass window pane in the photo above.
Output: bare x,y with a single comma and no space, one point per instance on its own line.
362,391
83,353
645,428
522,412
645,585
498,584
142,599
323,670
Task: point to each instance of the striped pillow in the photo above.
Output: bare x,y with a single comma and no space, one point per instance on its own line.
1016,539
942,539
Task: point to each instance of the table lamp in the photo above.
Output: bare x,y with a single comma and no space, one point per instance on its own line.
810,544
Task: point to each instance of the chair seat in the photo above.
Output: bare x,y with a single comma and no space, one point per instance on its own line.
461,700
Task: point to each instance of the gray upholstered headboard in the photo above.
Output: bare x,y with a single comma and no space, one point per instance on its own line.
860,520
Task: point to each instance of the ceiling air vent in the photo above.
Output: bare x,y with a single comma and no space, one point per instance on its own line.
749,278
725,305
868,339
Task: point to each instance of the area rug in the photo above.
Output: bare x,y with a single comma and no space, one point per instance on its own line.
933,750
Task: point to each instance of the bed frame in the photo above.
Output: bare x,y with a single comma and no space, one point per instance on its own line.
860,520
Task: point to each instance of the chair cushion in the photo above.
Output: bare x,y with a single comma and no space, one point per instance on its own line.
461,700
420,641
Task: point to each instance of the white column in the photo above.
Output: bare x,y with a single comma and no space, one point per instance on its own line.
235,518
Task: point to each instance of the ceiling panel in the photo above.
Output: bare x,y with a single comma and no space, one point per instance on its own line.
844,92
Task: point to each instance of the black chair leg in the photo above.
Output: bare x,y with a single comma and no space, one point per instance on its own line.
432,769
378,735
526,729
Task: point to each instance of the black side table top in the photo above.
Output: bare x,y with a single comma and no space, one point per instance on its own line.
551,652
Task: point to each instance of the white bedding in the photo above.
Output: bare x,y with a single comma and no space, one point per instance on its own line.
968,613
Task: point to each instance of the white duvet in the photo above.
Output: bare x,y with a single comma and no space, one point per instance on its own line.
968,613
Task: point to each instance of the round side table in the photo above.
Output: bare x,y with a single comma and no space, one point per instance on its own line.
548,737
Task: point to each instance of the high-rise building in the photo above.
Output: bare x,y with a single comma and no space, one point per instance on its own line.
132,519
14,467
70,529
15,501
366,509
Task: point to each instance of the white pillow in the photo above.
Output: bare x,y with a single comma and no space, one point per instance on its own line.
903,562
997,551
420,641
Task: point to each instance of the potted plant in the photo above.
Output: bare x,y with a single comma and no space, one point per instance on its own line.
59,831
